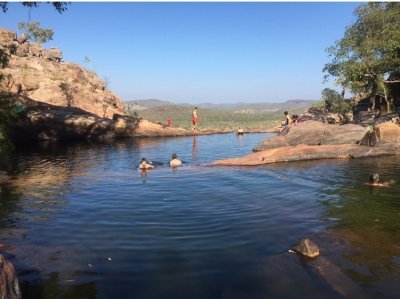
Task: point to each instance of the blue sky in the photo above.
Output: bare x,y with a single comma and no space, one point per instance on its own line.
198,52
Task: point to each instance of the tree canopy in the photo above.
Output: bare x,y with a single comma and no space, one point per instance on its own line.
58,6
35,33
367,58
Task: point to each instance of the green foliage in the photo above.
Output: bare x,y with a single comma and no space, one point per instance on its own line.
219,119
8,115
35,33
58,6
335,103
369,52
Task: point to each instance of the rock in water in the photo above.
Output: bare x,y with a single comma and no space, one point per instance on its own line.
9,286
307,247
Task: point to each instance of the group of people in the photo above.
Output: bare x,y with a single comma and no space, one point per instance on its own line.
144,165
289,120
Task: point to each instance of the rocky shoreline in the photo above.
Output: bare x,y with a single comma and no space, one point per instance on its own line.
45,122
313,140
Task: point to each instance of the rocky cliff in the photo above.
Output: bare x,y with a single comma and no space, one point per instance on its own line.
41,75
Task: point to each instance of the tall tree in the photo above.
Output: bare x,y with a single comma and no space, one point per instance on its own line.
367,58
35,33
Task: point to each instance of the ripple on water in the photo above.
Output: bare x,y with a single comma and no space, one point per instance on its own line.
209,227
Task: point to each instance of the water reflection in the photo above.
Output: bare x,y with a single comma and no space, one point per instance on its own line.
188,231
367,220
194,148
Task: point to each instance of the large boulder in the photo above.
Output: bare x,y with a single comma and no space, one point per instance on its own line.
388,132
9,286
314,133
7,37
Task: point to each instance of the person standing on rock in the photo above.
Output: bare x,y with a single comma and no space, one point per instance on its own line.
169,122
194,118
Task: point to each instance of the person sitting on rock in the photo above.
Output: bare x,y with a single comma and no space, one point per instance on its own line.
175,161
288,120
374,181
145,165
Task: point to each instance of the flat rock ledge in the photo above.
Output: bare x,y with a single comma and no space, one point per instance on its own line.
304,152
46,122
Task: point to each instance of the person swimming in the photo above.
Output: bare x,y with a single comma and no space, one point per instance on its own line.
175,161
145,165
374,181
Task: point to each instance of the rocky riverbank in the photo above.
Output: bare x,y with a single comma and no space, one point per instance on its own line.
312,140
45,122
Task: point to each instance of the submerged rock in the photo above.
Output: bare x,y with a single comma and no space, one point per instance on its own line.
303,152
307,248
9,285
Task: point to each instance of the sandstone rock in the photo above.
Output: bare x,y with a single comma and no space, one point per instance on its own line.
307,248
38,74
9,285
389,133
370,138
314,133
54,54
7,37
304,152
22,50
36,50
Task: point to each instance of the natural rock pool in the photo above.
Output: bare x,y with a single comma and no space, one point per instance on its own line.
80,221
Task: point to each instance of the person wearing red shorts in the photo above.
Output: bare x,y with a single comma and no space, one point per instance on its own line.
194,118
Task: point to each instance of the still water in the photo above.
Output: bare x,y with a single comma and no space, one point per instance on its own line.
80,221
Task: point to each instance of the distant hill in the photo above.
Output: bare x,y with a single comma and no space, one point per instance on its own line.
145,104
288,105
218,116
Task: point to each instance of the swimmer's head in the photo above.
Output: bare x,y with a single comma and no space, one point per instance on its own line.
374,178
174,156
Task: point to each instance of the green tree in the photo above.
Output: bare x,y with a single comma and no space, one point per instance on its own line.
35,33
335,103
368,55
58,6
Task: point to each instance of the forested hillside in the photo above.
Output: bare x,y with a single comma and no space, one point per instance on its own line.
250,116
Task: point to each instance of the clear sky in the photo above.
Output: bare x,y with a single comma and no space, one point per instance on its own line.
197,52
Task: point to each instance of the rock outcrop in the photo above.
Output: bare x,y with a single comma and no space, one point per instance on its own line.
314,133
40,74
44,122
387,142
9,286
303,152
